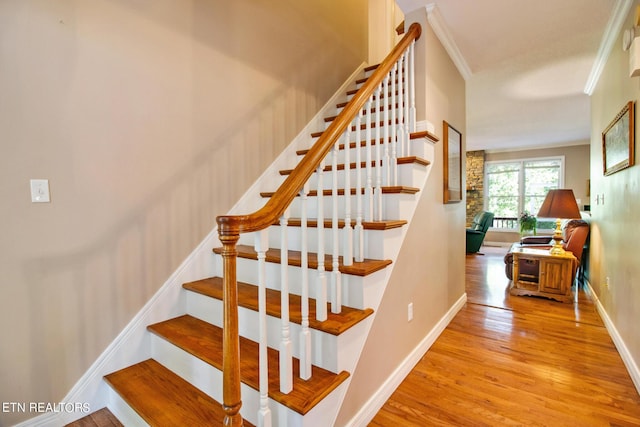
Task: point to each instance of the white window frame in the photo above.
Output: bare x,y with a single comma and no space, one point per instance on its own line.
520,181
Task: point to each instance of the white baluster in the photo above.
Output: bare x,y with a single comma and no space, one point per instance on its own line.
400,107
261,246
412,89
305,335
321,292
359,231
386,160
406,121
377,192
368,185
394,128
347,258
286,354
336,286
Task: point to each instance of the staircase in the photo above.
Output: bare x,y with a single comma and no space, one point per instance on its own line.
273,338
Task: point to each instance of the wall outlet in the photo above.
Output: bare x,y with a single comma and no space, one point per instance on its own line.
607,283
410,312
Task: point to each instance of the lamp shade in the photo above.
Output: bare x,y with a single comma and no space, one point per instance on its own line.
559,204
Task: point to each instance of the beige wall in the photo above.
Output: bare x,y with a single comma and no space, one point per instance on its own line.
615,233
429,271
149,119
576,175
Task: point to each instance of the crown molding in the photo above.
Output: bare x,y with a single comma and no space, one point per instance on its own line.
614,26
444,35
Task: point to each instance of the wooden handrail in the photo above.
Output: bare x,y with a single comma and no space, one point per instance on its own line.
231,226
289,189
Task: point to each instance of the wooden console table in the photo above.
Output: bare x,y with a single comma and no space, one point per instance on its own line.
554,274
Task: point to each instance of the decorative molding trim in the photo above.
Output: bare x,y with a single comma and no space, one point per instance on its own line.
373,405
625,354
444,35
613,28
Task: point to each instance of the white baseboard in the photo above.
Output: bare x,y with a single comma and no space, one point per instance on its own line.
625,354
373,405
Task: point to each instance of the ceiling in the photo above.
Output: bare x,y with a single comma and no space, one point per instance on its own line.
528,65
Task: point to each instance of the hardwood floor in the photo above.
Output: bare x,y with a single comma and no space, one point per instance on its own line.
516,361
101,418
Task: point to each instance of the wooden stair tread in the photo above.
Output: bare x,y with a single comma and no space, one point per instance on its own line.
248,298
394,189
387,224
424,134
100,418
204,341
162,398
401,161
363,268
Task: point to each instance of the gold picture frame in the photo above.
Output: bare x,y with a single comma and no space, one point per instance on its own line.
618,147
452,149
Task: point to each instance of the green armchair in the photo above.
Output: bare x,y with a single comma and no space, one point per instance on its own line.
475,234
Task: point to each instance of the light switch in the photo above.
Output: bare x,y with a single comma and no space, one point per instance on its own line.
40,191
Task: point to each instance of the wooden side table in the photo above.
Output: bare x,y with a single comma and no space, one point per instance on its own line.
554,274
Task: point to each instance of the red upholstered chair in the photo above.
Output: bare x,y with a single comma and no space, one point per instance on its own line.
574,233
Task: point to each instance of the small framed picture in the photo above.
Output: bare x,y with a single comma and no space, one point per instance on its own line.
452,148
618,148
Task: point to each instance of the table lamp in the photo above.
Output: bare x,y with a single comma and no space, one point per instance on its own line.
559,204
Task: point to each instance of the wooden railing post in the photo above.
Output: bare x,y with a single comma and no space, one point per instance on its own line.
231,399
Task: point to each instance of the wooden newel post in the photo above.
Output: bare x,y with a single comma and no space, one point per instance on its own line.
231,398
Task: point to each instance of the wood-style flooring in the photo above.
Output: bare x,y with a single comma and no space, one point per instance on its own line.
516,361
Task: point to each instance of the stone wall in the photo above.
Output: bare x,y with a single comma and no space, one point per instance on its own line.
475,183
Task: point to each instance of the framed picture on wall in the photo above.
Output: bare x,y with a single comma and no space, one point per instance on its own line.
618,147
452,148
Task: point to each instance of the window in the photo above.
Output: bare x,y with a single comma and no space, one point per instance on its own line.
516,186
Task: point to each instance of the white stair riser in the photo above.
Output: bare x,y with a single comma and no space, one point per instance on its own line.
375,123
123,412
324,413
417,147
375,241
407,176
353,287
394,206
326,346
376,245
386,103
384,99
209,380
